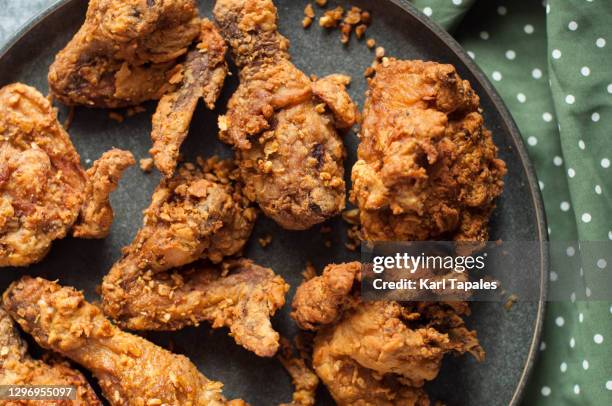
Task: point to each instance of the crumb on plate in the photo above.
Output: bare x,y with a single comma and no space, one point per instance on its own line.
146,165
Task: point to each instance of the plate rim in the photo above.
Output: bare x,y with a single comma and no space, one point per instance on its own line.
506,118
534,189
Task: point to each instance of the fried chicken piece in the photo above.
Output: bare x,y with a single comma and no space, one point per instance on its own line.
18,368
128,52
427,168
130,369
283,126
124,53
239,295
377,353
43,187
303,377
323,299
351,384
193,215
102,178
202,76
196,214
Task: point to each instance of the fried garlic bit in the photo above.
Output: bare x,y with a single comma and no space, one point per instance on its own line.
309,15
355,19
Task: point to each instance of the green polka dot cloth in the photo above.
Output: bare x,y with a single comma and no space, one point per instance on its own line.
552,64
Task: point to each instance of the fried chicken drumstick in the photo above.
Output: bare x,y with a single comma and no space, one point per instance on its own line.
282,125
130,369
44,190
427,168
194,215
18,368
377,353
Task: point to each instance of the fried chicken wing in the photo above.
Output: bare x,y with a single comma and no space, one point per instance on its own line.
124,53
197,214
43,188
377,353
239,295
427,168
130,369
17,367
202,76
282,125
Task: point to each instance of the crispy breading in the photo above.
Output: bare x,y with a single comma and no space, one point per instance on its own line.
427,168
124,53
43,187
129,369
128,52
17,367
323,299
200,213
377,353
281,124
96,214
304,380
201,77
238,294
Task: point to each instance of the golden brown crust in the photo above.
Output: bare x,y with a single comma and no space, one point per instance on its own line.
130,369
427,168
195,214
199,213
378,353
283,130
41,178
323,299
239,295
18,368
43,187
124,52
200,76
304,380
96,214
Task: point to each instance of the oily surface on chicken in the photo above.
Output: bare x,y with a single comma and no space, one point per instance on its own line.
17,367
282,125
129,369
200,213
124,52
44,190
377,353
427,168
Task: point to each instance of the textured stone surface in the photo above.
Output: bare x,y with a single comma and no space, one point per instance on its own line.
15,13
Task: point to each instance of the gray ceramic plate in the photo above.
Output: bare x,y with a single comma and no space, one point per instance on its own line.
509,337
